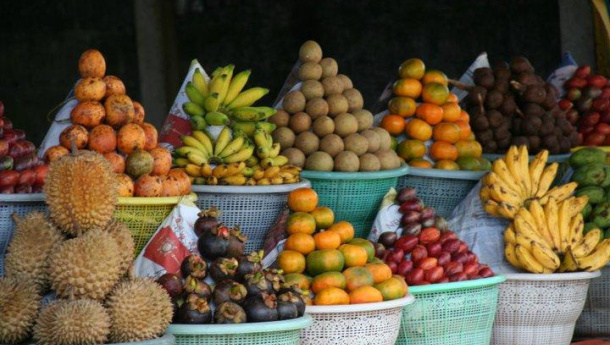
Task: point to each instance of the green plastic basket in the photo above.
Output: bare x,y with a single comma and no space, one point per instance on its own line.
460,313
285,332
441,189
354,197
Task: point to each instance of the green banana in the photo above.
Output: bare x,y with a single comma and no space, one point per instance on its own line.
198,122
200,83
180,161
268,127
217,81
222,141
211,102
216,72
245,114
192,142
193,94
261,139
265,113
268,152
248,97
237,84
233,147
247,172
224,87
205,140
246,127
274,162
192,109
240,133
243,155
252,161
216,118
199,180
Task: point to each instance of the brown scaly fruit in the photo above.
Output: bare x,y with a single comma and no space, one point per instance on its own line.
19,304
140,309
122,236
72,322
86,267
81,191
35,238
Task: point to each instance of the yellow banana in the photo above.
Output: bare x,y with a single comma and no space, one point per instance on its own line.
494,179
484,193
197,159
205,140
511,256
563,217
560,193
524,169
236,180
218,81
537,213
248,97
200,83
277,180
272,172
292,180
492,207
291,169
235,168
501,194
507,210
242,155
193,170
212,181
568,264
185,150
524,241
509,235
233,147
222,141
588,243
261,139
258,174
247,172
180,161
551,211
226,82
525,229
545,256
546,179
192,179
577,204
499,168
275,161
194,95
263,182
211,102
198,180
576,226
597,259
512,163
251,182
192,142
237,84
286,175
527,260
220,171
536,168
206,170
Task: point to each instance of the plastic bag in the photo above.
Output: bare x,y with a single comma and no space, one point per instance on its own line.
174,240
61,122
565,71
388,217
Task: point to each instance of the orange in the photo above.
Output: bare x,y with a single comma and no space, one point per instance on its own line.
300,222
443,150
380,271
431,113
291,262
357,277
453,98
451,112
435,76
447,131
327,240
367,245
302,200
446,164
328,260
403,106
331,296
344,229
418,129
435,93
410,149
355,256
365,294
324,216
393,288
471,136
465,131
464,116
394,124
302,281
469,148
328,279
300,242
420,163
407,87
412,68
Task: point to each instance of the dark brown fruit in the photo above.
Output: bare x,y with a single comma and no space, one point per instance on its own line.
551,143
484,77
528,79
490,147
532,109
495,118
564,145
521,64
534,142
574,139
480,123
551,98
501,85
502,73
531,125
485,135
504,143
494,99
475,93
534,94
508,105
501,133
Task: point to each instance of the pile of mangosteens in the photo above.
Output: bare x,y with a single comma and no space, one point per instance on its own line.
225,286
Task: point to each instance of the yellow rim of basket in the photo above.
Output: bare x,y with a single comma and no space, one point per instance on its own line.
124,201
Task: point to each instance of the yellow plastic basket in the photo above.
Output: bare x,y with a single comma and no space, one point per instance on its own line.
144,215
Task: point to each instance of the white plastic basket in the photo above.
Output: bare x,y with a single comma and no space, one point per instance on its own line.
355,324
595,317
254,208
535,309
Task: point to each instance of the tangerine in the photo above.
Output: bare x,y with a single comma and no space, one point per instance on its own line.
410,149
464,116
327,240
355,256
324,216
357,277
345,230
446,164
435,76
443,150
447,131
393,288
418,129
301,281
431,113
291,262
380,271
394,124
328,279
302,200
327,260
435,93
300,222
331,296
403,106
420,163
465,131
453,98
451,112
407,87
412,68
300,242
365,294
469,148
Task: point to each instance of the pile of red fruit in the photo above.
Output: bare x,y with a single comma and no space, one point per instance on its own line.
426,252
587,103
20,169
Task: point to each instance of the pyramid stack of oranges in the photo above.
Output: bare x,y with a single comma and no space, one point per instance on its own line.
436,130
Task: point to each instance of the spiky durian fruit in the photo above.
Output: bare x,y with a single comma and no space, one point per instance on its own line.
19,304
81,191
139,309
34,239
72,322
122,236
86,267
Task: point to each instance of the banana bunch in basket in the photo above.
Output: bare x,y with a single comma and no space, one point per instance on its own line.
239,174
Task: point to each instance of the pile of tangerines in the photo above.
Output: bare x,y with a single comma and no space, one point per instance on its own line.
436,130
324,259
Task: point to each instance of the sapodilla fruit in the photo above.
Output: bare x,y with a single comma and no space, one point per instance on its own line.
130,138
102,139
74,133
90,89
88,114
19,304
119,110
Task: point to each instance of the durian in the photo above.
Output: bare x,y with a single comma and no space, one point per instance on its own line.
81,191
34,239
72,322
19,304
122,236
139,309
86,267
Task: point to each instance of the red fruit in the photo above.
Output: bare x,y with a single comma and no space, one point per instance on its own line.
8,178
434,249
486,272
406,243
565,104
453,267
404,267
8,124
605,117
463,247
590,119
471,269
472,258
41,173
573,94
410,217
379,250
586,130
418,253
427,263
605,92
7,190
601,104
443,280
10,135
4,146
414,204
582,71
458,277
451,246
460,257
434,274
393,266
444,258
594,139
415,277
598,81
396,255
1,123
575,82
602,128
1,109
447,235
27,177
429,235
406,194
23,189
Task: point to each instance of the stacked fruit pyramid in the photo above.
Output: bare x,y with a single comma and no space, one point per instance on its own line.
82,255
323,126
546,231
510,105
437,121
20,169
107,121
341,269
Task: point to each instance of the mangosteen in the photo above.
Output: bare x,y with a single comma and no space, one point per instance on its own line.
257,284
197,287
275,277
172,283
194,310
237,243
286,310
261,308
249,264
194,265
208,220
230,313
223,268
229,290
294,299
214,244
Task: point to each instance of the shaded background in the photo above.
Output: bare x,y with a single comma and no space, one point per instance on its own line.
149,43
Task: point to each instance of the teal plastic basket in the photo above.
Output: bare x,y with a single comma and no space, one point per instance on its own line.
285,332
441,189
460,313
354,197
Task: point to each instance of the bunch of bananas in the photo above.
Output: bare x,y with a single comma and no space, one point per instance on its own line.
222,99
513,181
239,174
267,150
199,148
550,238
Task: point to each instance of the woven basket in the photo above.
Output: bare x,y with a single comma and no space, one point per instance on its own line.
355,324
253,208
594,320
441,189
354,197
259,333
460,313
535,309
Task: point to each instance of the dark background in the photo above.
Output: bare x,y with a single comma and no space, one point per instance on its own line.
42,41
